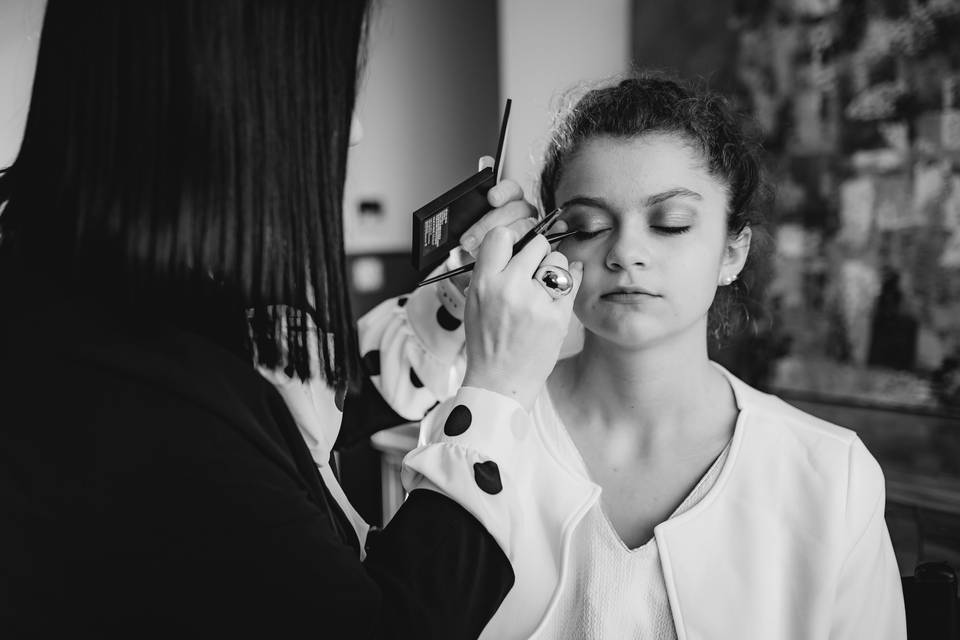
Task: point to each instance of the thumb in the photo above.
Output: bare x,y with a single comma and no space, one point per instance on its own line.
484,162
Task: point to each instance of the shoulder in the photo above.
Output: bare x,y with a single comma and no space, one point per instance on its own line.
809,465
822,449
781,419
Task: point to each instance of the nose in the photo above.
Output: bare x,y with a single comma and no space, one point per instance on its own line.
629,248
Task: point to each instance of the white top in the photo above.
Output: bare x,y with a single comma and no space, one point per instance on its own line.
612,591
789,543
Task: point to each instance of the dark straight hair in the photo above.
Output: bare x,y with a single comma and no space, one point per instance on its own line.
188,157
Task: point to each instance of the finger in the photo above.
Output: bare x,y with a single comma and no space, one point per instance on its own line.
501,217
521,227
494,253
555,259
503,192
485,162
526,262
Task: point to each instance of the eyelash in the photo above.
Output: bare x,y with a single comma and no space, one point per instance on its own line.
587,235
670,231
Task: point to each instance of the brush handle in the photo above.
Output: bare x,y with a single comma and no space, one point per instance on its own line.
448,274
557,237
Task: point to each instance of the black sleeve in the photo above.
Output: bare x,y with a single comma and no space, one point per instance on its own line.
235,544
433,573
460,573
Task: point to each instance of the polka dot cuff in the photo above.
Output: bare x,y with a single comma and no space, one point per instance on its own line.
486,430
437,320
482,450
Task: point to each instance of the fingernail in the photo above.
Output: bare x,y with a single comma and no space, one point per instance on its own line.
494,196
469,243
576,265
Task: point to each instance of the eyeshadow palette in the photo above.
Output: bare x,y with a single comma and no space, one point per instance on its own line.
438,225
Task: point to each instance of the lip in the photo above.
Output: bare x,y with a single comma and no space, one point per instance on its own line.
629,294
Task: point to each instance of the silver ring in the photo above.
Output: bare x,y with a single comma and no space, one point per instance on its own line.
556,281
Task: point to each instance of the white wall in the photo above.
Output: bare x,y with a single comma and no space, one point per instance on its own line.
430,107
547,47
20,22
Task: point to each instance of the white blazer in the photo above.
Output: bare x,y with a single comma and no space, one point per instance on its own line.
789,544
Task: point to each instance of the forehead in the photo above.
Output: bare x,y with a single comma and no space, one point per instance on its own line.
632,169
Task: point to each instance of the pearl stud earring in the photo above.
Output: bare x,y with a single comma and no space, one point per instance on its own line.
727,280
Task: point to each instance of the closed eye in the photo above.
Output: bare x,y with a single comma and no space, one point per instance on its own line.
671,231
587,234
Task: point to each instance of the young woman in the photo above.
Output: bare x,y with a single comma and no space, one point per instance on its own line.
704,508
182,167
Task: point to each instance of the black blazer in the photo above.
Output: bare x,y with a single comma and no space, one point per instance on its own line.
153,484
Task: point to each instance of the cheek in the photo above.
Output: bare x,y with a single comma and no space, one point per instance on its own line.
592,253
695,277
591,285
589,278
573,250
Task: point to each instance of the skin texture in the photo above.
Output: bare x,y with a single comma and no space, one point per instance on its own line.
657,223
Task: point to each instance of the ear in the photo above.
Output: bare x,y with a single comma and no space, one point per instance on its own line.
735,254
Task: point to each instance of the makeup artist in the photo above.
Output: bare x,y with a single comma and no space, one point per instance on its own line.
172,223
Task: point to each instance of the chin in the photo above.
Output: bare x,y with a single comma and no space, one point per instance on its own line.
634,333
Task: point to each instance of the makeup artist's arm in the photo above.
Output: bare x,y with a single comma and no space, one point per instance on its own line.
481,447
412,346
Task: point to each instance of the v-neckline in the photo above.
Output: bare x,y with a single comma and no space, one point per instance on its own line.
585,471
712,473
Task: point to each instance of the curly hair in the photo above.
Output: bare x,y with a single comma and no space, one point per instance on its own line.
728,141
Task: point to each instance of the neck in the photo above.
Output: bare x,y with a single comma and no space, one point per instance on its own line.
667,394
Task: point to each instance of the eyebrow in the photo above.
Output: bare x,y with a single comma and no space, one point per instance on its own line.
657,198
678,192
596,203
